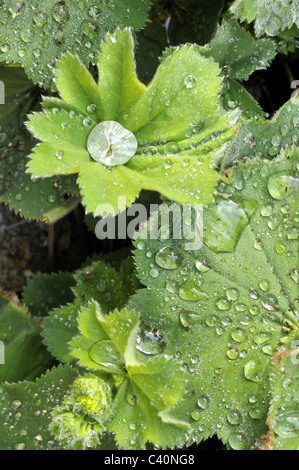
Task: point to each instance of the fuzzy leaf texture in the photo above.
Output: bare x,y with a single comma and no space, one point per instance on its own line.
20,336
283,423
33,200
227,307
26,409
50,29
269,18
239,54
181,130
146,390
98,281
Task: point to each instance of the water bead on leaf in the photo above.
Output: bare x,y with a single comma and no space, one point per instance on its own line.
111,144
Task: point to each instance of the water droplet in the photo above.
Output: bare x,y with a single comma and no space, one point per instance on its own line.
189,318
264,285
190,291
238,441
223,303
111,144
261,338
149,342
39,19
167,164
280,248
234,417
281,185
252,371
16,404
20,446
224,225
38,439
196,415
5,48
154,272
190,81
203,402
59,154
91,108
90,28
232,294
232,354
15,8
60,12
106,355
273,25
202,265
239,335
258,245
256,413
266,211
167,258
212,320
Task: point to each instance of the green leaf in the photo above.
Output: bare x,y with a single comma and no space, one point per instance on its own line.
50,30
44,292
177,115
146,390
225,308
23,355
266,138
77,87
283,417
110,286
31,200
117,74
237,52
268,19
27,406
235,95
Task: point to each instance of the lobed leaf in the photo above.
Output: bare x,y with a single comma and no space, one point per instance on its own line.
146,390
50,30
22,354
269,18
227,307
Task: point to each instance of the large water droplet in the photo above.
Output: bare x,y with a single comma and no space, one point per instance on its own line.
203,402
60,12
90,28
202,265
238,441
149,342
224,224
281,185
190,291
239,335
234,417
273,25
105,354
111,144
252,371
189,318
190,81
167,258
